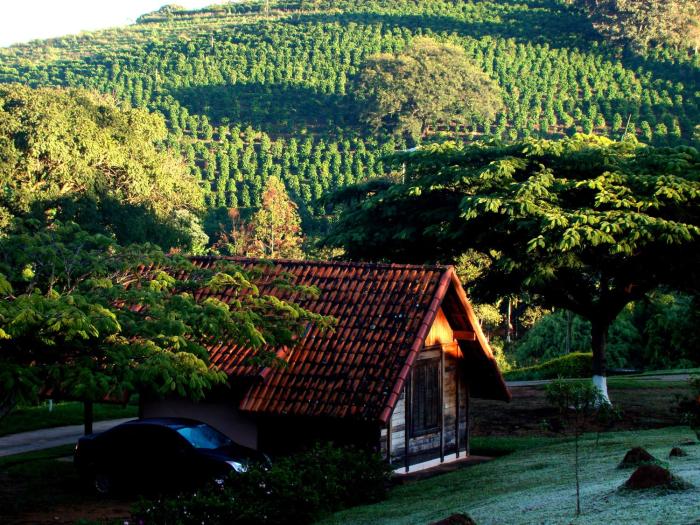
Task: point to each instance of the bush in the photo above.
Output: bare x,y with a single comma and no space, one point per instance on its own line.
577,364
295,490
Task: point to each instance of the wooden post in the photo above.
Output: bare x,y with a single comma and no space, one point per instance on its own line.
407,419
457,426
442,405
467,446
388,441
88,416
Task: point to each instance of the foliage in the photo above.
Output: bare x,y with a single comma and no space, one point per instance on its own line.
577,364
584,223
94,163
547,339
297,489
428,85
240,81
647,22
658,332
276,226
85,318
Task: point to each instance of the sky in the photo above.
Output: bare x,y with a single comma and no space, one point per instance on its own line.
24,20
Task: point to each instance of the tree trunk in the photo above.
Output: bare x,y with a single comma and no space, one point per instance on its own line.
599,335
88,416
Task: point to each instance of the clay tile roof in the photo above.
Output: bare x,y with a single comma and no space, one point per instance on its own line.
383,313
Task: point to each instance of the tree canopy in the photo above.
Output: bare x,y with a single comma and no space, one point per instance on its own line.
428,85
646,22
247,96
585,223
85,318
96,163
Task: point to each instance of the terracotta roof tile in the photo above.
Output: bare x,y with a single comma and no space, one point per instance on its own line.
383,315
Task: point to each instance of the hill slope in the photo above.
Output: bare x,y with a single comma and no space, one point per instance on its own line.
250,92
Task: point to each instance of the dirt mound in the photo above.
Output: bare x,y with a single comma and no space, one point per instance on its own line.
636,457
456,519
677,452
654,476
649,476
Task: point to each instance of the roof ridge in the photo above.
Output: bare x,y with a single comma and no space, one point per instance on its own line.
341,264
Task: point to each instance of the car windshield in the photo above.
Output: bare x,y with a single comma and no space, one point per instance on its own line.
203,436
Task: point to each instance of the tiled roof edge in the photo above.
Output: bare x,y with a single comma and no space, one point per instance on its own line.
428,319
304,262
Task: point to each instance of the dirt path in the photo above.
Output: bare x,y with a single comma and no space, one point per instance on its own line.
49,437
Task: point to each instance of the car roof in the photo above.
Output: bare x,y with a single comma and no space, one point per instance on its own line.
170,422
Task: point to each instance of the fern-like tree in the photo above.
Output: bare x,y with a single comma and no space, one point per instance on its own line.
585,224
429,84
85,318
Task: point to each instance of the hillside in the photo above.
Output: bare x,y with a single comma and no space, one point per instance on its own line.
250,91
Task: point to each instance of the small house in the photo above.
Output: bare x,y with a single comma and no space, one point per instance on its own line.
396,374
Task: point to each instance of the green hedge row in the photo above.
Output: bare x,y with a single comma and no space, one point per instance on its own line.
577,364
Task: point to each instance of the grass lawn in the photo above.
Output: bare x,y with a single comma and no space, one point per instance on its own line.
43,487
24,419
536,486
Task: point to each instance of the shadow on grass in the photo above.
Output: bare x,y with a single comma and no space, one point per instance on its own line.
273,108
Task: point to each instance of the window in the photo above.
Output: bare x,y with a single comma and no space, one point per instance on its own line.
425,397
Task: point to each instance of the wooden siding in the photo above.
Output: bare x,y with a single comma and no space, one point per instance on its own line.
440,332
440,340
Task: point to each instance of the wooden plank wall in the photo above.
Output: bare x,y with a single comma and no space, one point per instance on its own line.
423,448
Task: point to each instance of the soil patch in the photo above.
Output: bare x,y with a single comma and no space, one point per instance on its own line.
643,408
677,452
636,457
654,476
456,519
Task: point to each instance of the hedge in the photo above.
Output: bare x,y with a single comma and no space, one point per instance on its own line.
577,364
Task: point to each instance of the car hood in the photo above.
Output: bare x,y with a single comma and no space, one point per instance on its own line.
234,452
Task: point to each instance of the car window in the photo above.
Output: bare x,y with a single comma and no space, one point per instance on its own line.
204,437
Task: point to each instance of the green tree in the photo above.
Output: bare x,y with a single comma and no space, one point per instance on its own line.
80,152
584,224
80,316
429,84
646,22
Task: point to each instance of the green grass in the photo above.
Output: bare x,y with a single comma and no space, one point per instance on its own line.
670,371
536,485
25,419
37,480
503,445
32,457
46,481
627,382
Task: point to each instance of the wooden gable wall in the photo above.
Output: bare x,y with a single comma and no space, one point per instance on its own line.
441,344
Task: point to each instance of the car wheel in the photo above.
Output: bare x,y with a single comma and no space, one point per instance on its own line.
102,483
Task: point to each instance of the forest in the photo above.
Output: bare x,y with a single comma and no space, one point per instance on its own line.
250,91
250,94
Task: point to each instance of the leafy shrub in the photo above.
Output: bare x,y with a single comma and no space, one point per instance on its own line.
577,364
295,490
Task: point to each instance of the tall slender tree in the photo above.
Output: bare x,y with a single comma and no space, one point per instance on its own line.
276,226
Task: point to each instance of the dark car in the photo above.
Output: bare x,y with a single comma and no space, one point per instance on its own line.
159,454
